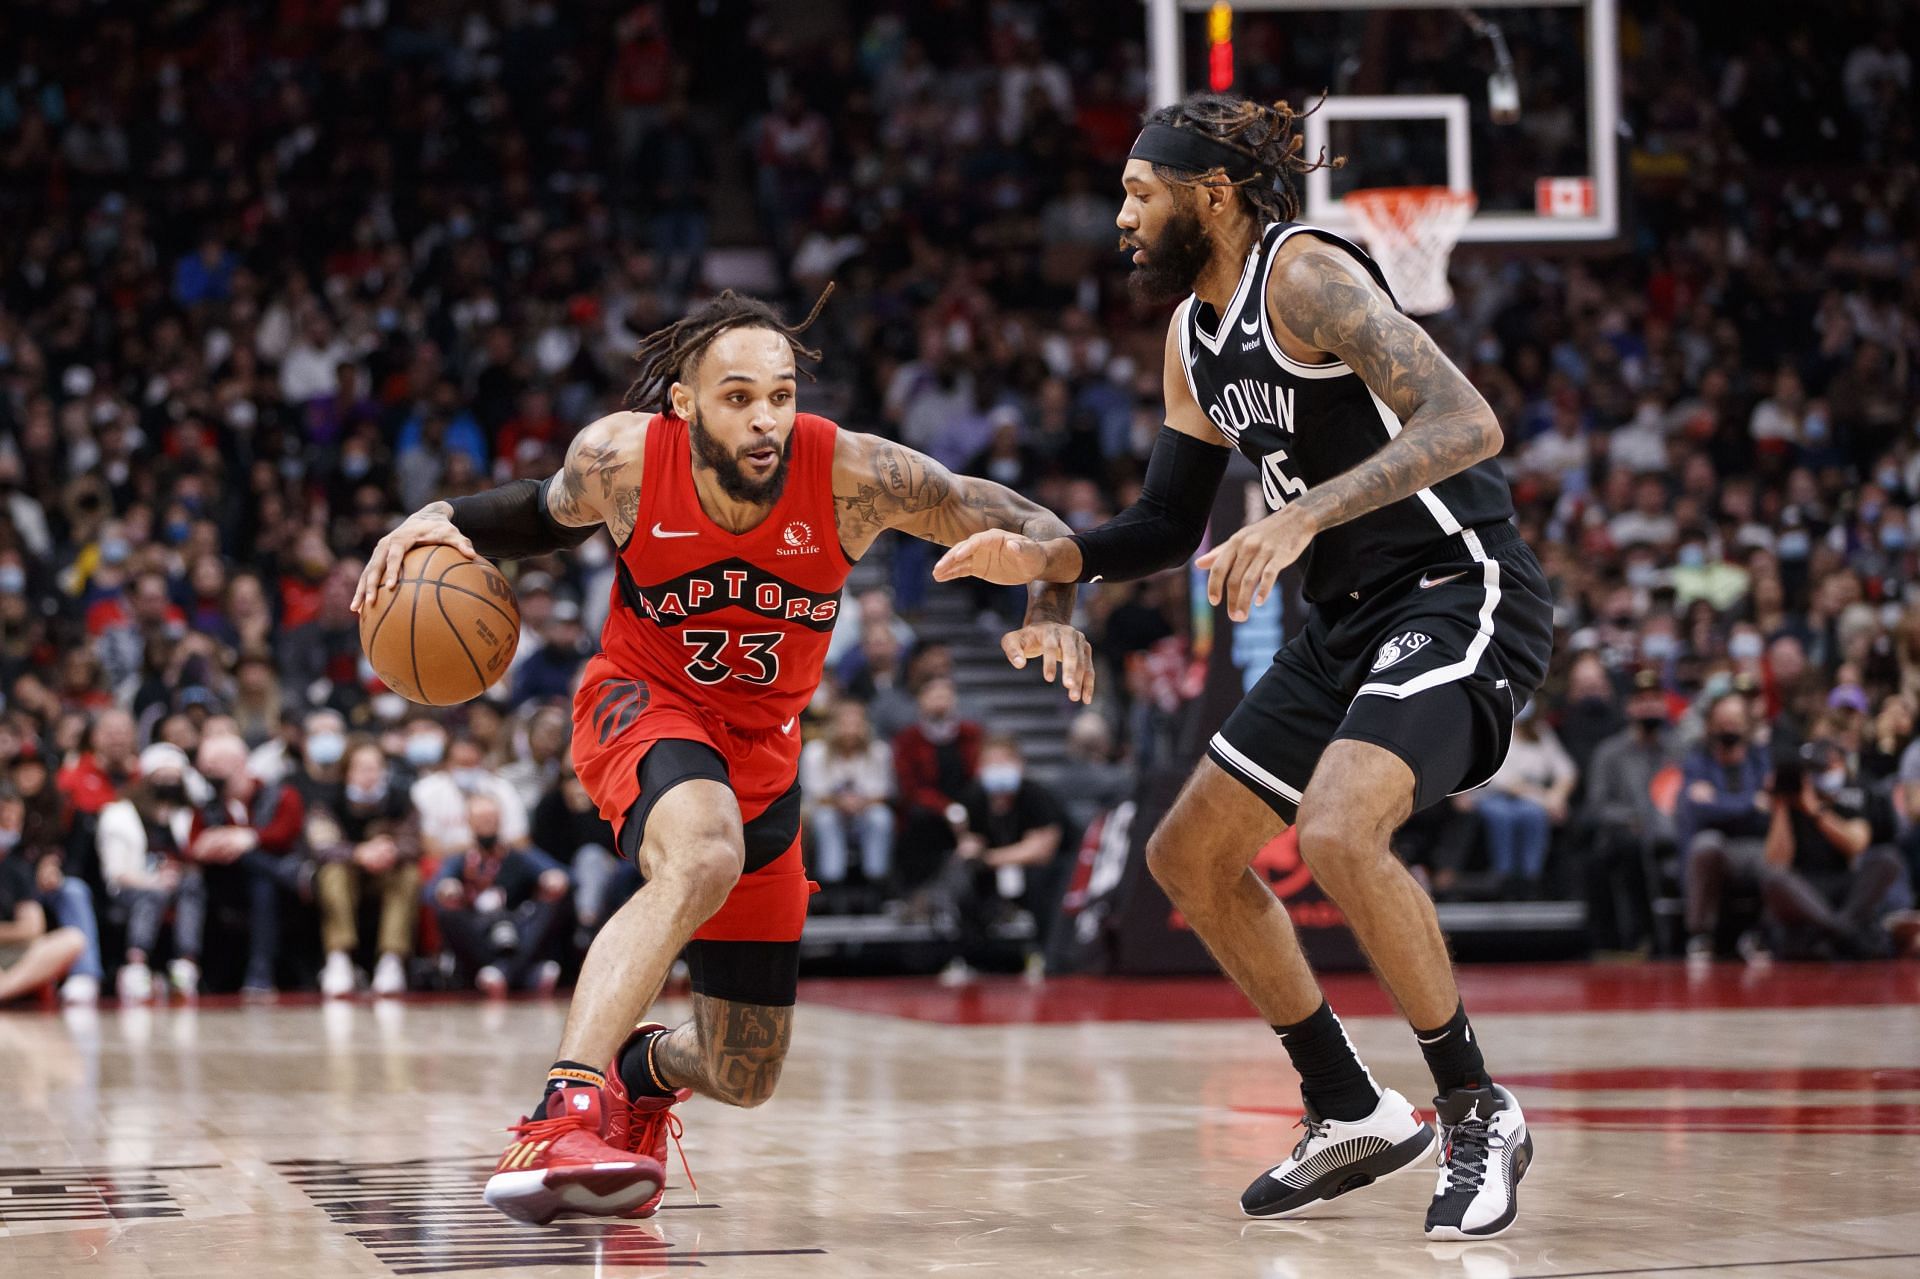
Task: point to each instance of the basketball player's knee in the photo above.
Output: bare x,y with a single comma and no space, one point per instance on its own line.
703,871
1333,844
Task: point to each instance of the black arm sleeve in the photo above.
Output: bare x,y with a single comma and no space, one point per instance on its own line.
1164,527
513,521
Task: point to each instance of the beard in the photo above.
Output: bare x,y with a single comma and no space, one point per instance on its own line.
728,466
1174,261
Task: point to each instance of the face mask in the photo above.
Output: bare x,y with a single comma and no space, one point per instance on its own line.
1832,780
1727,741
469,778
366,796
1651,723
487,843
325,749
1692,557
425,750
1643,576
1000,779
177,532
1887,478
1744,648
171,793
1794,545
115,550
1893,538
13,580
356,465
1870,512
941,729
8,839
1657,647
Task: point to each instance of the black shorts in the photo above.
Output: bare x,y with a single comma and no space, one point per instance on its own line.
1433,666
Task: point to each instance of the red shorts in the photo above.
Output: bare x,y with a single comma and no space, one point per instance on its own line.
617,720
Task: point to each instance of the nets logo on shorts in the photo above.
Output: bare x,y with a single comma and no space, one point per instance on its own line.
798,537
1398,647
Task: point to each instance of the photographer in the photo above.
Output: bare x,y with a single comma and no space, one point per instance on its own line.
1831,871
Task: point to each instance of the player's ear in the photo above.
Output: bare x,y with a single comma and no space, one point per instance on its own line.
680,399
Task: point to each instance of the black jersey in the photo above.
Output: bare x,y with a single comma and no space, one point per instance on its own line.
1303,424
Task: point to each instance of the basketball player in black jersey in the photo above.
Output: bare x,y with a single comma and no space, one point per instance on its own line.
1429,629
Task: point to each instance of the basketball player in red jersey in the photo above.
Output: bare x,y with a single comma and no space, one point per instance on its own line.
737,520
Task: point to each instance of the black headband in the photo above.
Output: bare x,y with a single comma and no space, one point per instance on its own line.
1191,152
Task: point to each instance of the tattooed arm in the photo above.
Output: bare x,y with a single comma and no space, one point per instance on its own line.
730,1051
878,485
1321,301
1324,297
599,483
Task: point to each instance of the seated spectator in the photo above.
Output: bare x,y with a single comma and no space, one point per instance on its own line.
1006,853
878,679
847,778
1625,829
364,835
448,775
66,899
934,759
1722,820
242,838
31,955
567,825
1091,782
501,908
550,672
142,839
95,778
539,755
1832,875
1523,802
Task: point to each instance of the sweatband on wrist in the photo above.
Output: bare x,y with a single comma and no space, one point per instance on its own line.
1163,528
512,521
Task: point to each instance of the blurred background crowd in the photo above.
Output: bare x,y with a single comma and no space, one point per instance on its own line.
278,272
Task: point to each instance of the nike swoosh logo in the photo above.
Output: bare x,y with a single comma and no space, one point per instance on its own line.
1428,583
788,726
1250,326
660,532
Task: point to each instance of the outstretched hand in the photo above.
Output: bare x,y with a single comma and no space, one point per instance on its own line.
1061,649
994,555
1243,569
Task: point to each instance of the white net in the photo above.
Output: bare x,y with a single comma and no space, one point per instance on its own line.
1411,232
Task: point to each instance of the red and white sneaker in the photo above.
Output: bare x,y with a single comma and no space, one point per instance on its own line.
567,1161
643,1125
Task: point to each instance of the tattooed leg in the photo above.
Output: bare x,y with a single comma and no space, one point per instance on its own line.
731,1052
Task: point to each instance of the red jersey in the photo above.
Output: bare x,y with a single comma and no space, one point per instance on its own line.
736,623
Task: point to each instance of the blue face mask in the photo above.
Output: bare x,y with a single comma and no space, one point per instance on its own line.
177,532
425,750
115,550
1000,779
13,580
325,749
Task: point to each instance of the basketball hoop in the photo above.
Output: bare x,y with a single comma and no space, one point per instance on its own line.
1411,232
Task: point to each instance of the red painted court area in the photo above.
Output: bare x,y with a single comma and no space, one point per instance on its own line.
1541,988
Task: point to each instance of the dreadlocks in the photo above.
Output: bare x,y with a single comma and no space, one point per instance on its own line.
1263,134
670,354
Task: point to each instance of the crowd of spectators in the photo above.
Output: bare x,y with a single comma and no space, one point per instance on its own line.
277,273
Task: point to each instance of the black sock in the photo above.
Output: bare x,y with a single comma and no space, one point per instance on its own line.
636,1067
1331,1075
1452,1054
568,1074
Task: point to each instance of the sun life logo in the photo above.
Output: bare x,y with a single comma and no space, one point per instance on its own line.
798,536
1398,647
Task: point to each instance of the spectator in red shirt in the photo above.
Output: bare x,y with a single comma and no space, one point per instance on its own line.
95,778
935,759
242,837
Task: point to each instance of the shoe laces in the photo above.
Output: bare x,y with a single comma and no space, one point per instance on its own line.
551,1129
1316,1130
1464,1152
647,1125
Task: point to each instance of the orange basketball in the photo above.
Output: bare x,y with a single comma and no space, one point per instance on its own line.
446,632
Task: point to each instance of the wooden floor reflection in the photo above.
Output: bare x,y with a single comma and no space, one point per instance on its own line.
1746,1135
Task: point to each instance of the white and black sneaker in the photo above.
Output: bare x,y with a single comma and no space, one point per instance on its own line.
1338,1155
1484,1152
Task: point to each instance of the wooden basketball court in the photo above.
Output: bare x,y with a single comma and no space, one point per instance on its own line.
1736,1123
